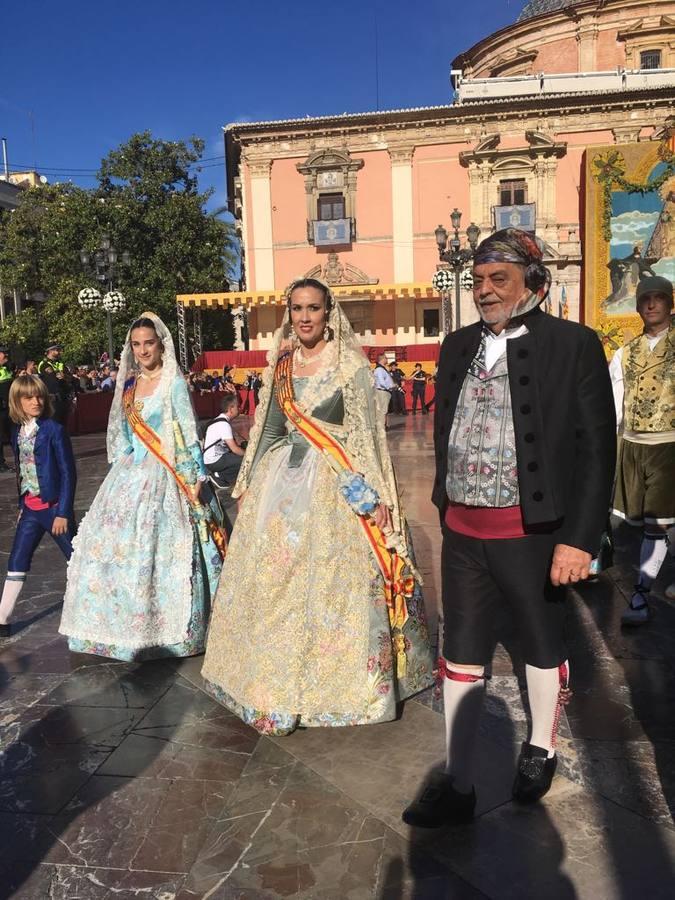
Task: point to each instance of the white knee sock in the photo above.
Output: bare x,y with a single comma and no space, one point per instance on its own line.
13,584
543,691
463,702
652,553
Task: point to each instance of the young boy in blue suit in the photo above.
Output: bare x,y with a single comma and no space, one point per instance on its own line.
46,479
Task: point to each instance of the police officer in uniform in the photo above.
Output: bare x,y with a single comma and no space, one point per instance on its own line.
397,405
57,378
6,377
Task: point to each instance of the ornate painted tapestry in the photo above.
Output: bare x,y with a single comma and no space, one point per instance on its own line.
630,230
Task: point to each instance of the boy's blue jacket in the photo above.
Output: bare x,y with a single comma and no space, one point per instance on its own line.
55,465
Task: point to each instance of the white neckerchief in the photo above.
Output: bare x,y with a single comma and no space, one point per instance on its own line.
495,345
653,339
29,427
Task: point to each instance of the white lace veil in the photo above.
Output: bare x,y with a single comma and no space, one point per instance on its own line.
348,353
364,415
116,438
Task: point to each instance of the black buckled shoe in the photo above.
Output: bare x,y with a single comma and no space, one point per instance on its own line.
535,773
440,804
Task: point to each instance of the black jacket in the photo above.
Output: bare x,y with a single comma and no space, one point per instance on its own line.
564,422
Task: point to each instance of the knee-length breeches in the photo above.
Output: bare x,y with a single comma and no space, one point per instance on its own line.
32,526
480,576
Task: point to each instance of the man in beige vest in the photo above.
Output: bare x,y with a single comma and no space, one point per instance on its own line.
643,380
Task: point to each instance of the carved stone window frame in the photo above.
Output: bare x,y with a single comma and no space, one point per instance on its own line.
535,163
329,159
643,36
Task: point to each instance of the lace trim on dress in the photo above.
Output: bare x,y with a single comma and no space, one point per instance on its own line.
364,438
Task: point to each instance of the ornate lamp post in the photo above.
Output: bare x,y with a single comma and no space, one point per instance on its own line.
102,264
450,251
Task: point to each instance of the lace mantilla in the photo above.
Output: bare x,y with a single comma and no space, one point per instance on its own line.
364,435
118,435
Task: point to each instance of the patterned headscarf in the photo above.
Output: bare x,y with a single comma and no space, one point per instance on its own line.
514,246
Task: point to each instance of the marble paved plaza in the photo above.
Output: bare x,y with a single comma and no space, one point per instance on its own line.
121,781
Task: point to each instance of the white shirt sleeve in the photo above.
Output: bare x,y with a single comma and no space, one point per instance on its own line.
616,376
216,435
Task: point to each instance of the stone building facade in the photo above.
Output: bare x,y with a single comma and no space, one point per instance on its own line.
357,197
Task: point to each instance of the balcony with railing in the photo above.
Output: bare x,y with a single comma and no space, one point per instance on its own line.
472,90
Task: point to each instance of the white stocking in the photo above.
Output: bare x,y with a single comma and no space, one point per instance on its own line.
463,702
652,553
10,592
543,691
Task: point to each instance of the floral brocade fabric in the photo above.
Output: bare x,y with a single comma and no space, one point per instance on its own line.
649,384
29,479
482,464
302,596
140,581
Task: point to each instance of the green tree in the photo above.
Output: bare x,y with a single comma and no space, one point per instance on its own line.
148,202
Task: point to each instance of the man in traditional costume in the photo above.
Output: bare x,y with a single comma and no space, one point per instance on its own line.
643,380
524,434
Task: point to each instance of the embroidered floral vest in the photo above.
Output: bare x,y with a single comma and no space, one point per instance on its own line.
29,478
482,465
649,384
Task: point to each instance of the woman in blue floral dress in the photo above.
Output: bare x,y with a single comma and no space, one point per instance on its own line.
148,554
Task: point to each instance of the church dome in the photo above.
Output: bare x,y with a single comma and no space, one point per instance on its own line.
539,7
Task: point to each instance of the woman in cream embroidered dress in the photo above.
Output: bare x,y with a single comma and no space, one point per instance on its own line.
301,632
145,565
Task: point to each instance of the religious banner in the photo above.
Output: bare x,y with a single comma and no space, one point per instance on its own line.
630,230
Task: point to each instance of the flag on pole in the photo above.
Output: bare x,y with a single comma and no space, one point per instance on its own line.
563,308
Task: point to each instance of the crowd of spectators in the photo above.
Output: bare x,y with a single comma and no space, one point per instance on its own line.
86,380
246,389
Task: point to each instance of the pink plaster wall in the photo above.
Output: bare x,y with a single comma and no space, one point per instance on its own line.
289,206
568,185
425,259
375,259
373,195
558,56
609,52
439,184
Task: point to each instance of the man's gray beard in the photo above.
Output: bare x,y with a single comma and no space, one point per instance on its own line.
523,306
493,318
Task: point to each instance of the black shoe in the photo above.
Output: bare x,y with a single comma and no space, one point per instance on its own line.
440,804
5,631
535,774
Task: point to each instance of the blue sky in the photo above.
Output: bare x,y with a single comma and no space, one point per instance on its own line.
76,78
